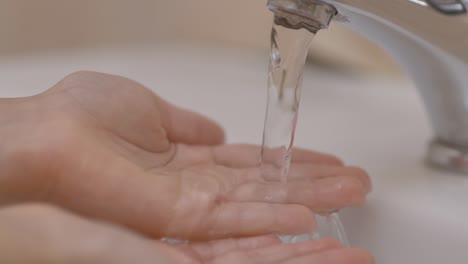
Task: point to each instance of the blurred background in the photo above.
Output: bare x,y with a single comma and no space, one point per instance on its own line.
32,27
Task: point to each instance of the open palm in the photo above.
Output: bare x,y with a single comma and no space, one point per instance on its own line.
107,147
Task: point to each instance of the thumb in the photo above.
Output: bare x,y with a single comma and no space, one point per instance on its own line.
187,127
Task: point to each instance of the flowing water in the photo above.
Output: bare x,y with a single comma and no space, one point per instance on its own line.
289,48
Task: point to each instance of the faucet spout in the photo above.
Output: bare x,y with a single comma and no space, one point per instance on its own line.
311,15
429,40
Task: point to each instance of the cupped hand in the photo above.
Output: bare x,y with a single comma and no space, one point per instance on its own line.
36,234
107,147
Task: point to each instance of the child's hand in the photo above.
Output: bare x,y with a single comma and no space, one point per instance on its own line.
38,234
107,147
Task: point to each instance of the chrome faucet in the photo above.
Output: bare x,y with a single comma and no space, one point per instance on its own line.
428,38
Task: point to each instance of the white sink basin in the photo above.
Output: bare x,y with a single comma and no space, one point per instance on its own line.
415,214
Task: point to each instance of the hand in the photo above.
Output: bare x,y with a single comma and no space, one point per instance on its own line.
107,147
38,234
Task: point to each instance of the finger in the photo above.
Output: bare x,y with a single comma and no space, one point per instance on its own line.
187,127
283,252
213,249
248,155
337,256
242,156
320,195
302,171
253,219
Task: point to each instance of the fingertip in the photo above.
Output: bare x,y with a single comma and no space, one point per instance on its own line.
217,135
188,127
362,175
353,191
197,129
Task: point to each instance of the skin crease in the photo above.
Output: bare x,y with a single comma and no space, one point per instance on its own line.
107,148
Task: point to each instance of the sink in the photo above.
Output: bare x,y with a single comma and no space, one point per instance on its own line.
415,214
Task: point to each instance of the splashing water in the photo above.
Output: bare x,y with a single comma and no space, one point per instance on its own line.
289,48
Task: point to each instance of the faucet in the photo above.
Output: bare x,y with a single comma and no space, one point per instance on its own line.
427,38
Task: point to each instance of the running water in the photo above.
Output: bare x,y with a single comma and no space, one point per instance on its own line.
289,48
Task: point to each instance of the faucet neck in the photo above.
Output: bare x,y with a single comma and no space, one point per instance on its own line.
428,38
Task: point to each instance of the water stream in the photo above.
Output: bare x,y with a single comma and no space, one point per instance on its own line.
289,48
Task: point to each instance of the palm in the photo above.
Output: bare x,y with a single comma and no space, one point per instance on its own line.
130,157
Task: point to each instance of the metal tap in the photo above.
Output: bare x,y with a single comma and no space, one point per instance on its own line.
429,40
